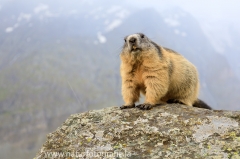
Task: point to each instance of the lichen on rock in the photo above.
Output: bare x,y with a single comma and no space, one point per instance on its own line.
169,131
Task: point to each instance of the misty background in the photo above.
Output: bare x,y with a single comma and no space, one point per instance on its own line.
59,58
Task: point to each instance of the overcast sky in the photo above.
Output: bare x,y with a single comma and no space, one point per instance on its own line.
202,9
214,16
208,12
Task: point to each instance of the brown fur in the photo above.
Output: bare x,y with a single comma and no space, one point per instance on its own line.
159,73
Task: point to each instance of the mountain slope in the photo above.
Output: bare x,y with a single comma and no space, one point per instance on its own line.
58,61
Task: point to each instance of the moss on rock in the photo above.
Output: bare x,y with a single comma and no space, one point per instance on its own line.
169,131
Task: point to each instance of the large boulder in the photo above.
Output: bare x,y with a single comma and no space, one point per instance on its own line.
169,131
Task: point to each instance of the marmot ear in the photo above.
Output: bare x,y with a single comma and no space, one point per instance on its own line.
141,35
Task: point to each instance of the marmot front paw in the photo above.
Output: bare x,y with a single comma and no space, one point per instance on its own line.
145,106
127,106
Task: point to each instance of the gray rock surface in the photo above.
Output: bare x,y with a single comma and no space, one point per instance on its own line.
169,131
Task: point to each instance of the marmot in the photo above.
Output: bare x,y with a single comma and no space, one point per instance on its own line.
161,74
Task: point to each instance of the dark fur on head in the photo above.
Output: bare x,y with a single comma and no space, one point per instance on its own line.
139,44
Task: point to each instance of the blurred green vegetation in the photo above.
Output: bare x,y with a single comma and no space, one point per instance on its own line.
57,68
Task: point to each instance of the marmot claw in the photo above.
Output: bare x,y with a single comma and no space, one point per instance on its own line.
144,106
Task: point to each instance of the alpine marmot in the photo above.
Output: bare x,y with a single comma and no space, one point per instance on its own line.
161,74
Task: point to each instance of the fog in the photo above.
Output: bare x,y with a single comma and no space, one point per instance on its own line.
59,58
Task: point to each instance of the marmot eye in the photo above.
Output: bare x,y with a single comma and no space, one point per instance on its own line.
125,40
142,36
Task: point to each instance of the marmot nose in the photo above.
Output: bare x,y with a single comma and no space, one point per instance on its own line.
132,40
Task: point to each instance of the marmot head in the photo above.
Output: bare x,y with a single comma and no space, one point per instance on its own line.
138,43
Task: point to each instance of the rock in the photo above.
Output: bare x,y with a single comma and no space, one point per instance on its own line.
169,131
